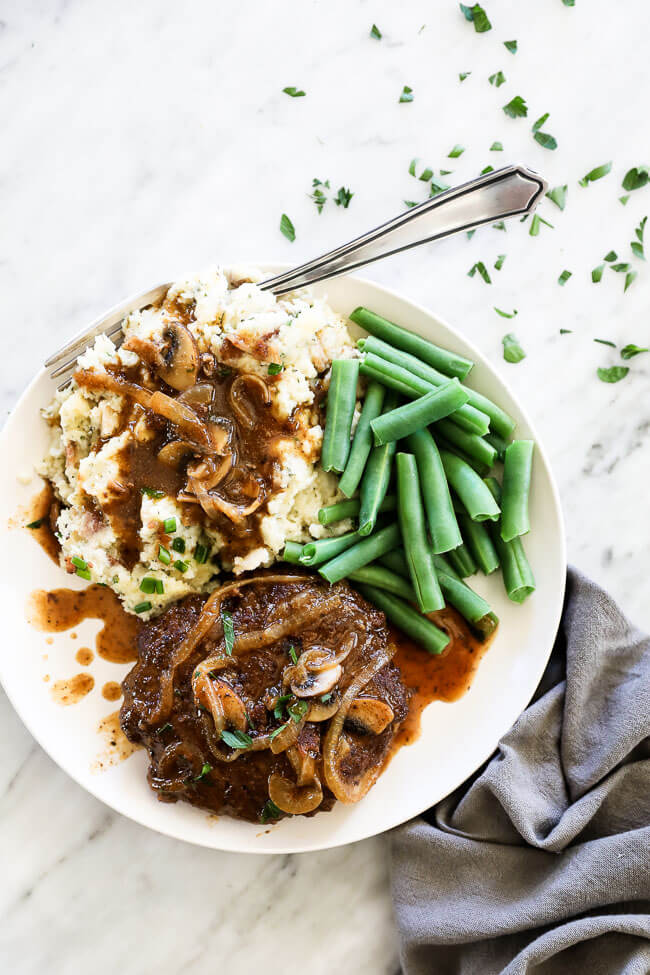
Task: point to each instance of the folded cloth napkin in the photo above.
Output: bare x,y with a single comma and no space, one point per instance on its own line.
541,862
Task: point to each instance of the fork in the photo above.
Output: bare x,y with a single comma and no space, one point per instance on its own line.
507,192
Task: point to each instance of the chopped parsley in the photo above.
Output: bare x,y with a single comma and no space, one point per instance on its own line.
622,267
566,331
293,91
407,94
287,228
236,739
152,492
610,256
597,173
482,270
35,524
540,121
597,273
297,710
613,374
228,631
375,32
178,544
207,768
624,199
629,278
181,566
606,342
512,351
476,15
545,140
292,653
142,607
500,225
511,46
506,314
569,3
275,368
516,107
558,196
318,196
343,197
637,245
497,79
636,178
536,223
279,705
564,277
456,152
498,264
270,811
169,525
496,147
463,75
629,351
328,697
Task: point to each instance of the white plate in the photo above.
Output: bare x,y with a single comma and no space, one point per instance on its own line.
456,738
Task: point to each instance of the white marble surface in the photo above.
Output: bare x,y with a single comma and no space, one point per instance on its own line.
143,139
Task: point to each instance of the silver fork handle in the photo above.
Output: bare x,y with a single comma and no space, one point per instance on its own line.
506,192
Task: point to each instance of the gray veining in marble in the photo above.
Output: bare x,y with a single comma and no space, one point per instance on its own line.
143,139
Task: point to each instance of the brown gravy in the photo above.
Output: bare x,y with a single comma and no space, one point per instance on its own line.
117,745
61,609
40,513
72,689
112,691
84,656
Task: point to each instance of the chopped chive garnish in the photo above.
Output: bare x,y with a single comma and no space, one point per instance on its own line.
496,147
482,270
152,492
564,277
178,544
558,196
142,607
274,368
287,228
497,79
228,631
407,94
512,351
470,233
505,314
629,351
201,554
326,697
159,587
566,331
437,186
181,566
207,768
236,739
606,342
166,727
597,173
456,152
569,3
486,169
35,524
500,261
270,811
276,731
292,653
636,178
78,563
511,46
148,585
516,107
597,273
297,710
536,223
426,175
293,91
169,525
83,574
613,374
163,555
500,225
375,32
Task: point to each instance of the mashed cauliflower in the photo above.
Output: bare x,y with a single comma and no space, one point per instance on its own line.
230,317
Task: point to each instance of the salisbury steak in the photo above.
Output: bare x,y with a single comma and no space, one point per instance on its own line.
274,695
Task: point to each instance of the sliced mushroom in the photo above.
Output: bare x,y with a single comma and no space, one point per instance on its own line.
287,736
320,710
209,473
293,798
369,715
180,415
223,703
175,452
316,684
179,367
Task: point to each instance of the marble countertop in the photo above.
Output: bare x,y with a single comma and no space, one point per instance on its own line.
144,139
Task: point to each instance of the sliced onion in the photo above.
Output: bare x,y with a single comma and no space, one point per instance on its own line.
114,384
293,798
174,453
238,405
181,416
200,394
214,504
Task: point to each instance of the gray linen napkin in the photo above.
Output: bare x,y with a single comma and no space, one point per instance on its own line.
541,862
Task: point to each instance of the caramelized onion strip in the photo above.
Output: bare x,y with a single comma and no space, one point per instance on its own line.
181,416
245,415
90,379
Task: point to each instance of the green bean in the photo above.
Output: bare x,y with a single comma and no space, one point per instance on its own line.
468,603
341,400
470,444
396,562
442,565
382,578
403,381
476,465
460,559
478,541
362,440
518,578
361,554
500,421
292,552
315,553
498,443
418,627
417,414
448,362
350,509
476,497
517,469
376,477
414,535
443,526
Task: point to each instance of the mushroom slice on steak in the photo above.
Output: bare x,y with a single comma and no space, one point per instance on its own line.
179,365
369,715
